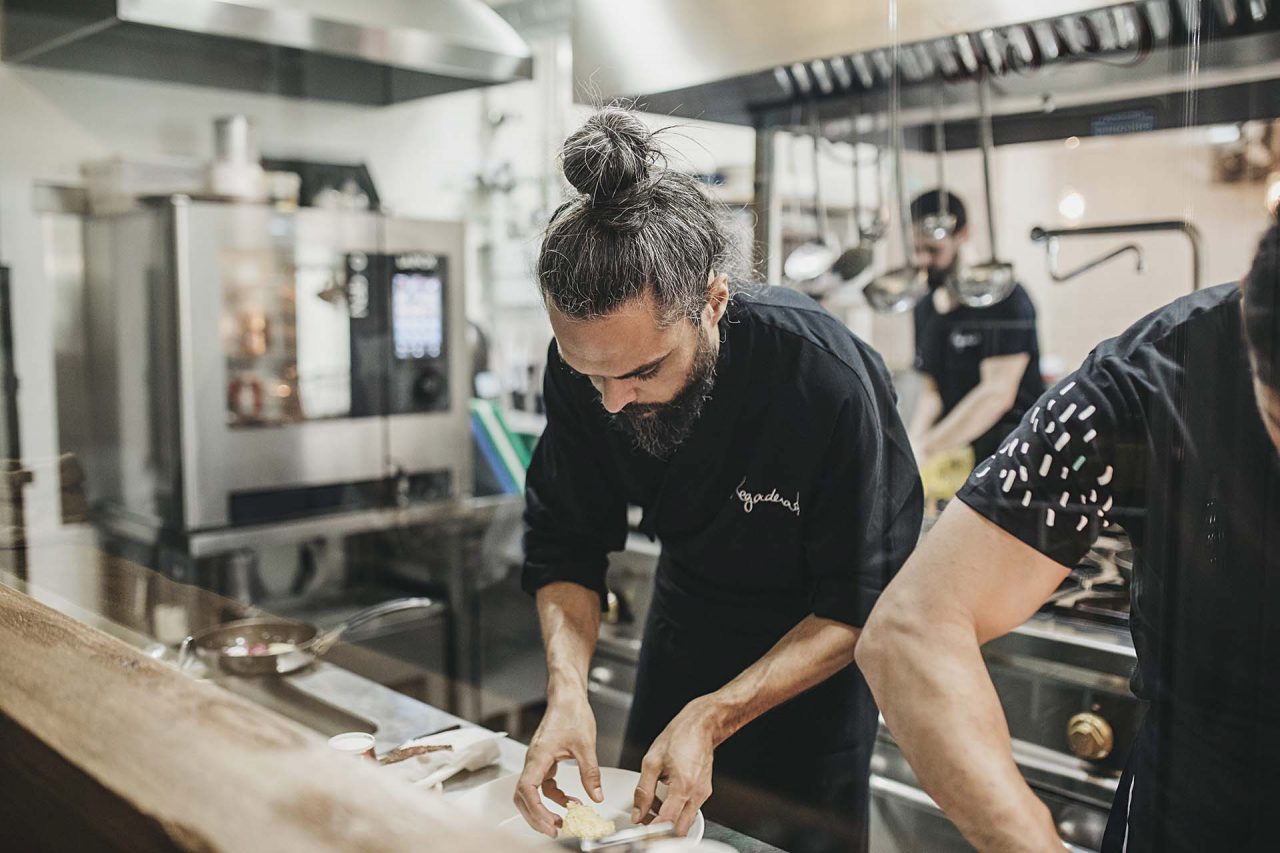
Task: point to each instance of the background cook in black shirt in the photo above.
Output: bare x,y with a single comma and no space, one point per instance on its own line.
980,366
760,438
1171,431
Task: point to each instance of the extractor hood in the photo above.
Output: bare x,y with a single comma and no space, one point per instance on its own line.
642,47
1068,67
369,52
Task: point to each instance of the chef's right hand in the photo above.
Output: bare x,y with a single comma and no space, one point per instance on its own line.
568,730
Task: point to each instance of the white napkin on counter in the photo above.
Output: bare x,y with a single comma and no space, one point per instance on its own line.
473,749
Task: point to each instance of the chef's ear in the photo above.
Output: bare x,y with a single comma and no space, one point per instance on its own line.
717,295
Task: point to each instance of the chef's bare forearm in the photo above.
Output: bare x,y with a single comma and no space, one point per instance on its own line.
938,702
980,409
927,409
977,412
570,618
967,582
809,654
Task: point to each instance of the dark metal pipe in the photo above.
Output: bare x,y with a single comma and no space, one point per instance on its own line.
1039,235
1059,276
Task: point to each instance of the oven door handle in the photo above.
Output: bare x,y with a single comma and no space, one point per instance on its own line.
894,790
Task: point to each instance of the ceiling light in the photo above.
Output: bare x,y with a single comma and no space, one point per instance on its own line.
1071,205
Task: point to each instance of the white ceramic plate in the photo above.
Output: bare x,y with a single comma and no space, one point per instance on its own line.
492,802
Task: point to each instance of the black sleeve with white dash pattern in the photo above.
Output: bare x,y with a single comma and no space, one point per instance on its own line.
1052,481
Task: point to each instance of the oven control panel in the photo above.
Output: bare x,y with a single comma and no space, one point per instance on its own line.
399,332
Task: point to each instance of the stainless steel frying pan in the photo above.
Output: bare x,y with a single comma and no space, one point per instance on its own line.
268,646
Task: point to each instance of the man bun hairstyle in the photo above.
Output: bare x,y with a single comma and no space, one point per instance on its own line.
633,226
1261,317
609,158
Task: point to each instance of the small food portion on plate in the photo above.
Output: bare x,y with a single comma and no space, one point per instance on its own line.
493,802
582,821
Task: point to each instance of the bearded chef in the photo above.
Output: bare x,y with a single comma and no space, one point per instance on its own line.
760,438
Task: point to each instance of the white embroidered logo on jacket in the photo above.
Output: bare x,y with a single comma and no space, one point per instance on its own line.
749,500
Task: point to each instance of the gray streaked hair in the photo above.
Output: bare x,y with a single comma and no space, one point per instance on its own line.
635,226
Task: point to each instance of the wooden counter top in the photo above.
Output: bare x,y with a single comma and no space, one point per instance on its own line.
106,748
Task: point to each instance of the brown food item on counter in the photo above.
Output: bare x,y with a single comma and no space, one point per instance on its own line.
395,756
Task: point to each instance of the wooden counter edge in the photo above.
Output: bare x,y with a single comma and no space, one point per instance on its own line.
102,747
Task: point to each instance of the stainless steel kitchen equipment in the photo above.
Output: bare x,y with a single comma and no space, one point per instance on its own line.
270,646
248,366
756,56
375,52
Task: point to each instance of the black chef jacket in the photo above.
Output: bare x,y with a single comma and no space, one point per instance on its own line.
1159,432
795,494
951,348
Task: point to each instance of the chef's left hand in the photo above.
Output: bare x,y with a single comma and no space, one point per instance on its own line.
681,756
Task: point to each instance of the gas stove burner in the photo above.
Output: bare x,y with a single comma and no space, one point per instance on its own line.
1107,608
1095,590
1088,568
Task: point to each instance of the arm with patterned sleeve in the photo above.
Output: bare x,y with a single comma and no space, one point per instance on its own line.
1052,482
1027,514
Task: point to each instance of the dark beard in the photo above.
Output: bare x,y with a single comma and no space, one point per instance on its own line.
659,428
937,278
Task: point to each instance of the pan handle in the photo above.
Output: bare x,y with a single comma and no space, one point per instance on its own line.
186,653
323,642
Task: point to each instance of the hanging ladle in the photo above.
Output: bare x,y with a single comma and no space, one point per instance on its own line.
940,225
814,258
899,290
860,254
991,282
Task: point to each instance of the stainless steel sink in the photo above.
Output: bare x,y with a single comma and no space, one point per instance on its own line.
300,706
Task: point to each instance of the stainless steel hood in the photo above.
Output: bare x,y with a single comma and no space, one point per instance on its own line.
369,52
645,46
1057,64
